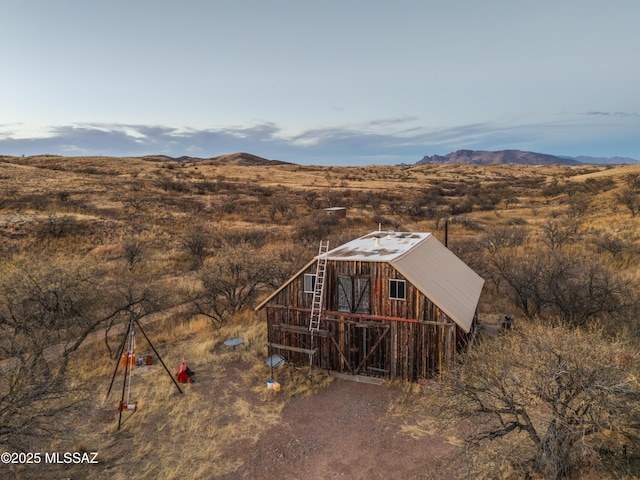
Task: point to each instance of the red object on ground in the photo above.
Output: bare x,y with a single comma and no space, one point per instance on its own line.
184,375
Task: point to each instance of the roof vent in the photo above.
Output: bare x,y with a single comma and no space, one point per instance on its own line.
390,234
376,241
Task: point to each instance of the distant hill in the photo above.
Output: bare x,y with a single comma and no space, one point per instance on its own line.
240,158
605,160
245,160
482,157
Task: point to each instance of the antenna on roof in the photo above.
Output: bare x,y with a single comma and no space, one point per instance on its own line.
446,233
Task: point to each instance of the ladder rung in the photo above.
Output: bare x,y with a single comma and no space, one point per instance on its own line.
318,291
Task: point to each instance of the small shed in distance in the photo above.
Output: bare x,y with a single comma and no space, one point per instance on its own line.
337,212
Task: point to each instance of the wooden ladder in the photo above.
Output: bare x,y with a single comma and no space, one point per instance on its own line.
318,290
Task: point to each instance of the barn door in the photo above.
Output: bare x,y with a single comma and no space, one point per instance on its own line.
360,348
372,358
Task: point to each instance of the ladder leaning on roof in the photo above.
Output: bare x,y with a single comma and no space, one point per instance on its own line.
318,289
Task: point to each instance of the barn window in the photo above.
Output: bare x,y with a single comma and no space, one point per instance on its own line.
309,282
354,294
397,289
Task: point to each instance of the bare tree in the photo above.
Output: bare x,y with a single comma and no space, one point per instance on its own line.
573,285
610,243
228,283
279,205
132,252
57,226
632,180
557,234
560,393
47,310
630,198
498,239
197,243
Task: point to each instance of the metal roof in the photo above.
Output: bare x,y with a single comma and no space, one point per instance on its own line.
445,279
425,262
377,246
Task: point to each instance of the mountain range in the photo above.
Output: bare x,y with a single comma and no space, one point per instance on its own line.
240,159
462,157
482,157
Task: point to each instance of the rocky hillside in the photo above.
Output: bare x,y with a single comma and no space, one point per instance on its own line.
481,157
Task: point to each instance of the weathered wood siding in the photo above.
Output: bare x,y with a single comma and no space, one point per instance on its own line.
397,339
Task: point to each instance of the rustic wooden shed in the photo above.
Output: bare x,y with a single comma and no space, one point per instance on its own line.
396,305
337,212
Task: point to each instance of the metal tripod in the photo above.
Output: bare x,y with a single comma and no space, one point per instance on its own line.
127,373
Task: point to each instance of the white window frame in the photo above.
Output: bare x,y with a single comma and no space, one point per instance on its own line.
398,282
311,278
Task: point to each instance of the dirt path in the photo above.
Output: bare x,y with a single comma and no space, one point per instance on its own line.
343,431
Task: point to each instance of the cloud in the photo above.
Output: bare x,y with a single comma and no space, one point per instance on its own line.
614,114
388,141
389,122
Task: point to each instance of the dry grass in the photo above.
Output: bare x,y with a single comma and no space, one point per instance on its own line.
108,202
174,435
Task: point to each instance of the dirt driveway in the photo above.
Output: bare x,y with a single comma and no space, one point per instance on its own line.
345,431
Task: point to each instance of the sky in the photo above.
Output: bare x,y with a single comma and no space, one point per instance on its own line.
347,82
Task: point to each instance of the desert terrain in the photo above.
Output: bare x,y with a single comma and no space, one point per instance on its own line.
89,243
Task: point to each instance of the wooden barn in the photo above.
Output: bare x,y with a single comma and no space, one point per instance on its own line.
395,305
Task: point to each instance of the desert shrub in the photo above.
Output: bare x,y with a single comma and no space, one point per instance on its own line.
63,195
594,186
497,239
414,209
258,190
575,286
516,221
57,226
469,223
567,397
553,189
459,208
171,185
45,303
282,206
254,237
314,228
228,283
558,233
632,180
630,198
132,252
197,243
606,242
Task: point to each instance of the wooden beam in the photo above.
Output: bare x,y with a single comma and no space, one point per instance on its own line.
285,327
279,346
346,362
362,316
356,378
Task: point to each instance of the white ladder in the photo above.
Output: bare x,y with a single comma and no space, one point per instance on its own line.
318,290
